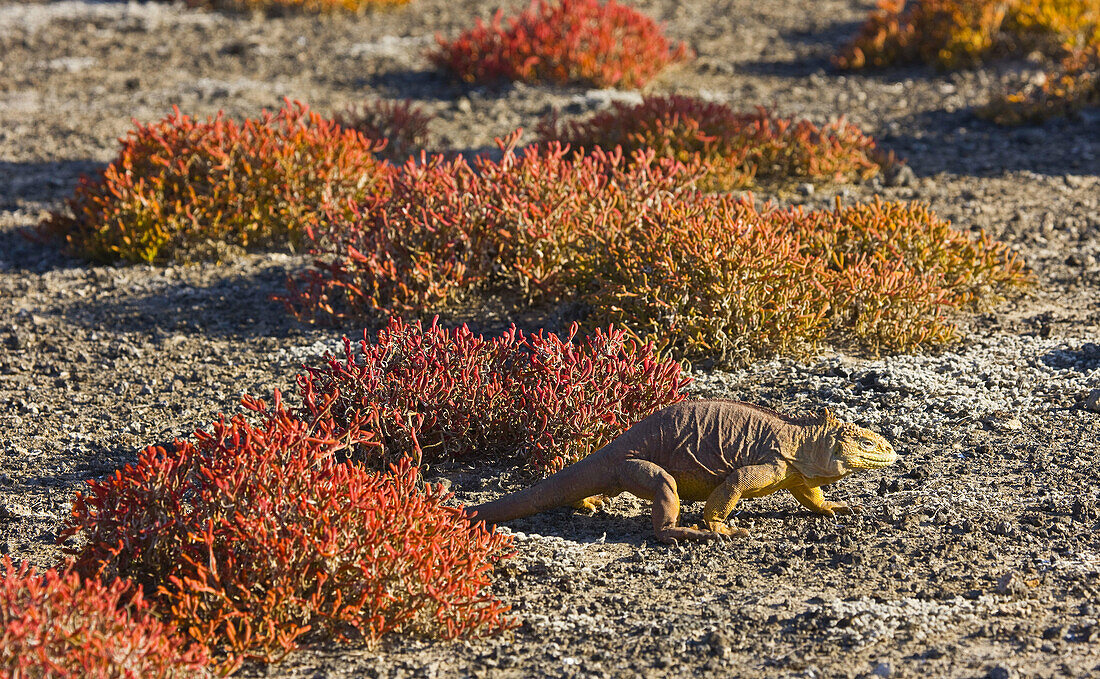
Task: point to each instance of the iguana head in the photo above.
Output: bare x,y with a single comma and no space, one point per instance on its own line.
836,449
858,448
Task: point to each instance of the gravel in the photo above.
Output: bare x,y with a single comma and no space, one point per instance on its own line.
982,538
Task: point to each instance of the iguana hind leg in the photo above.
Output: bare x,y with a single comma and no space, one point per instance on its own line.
650,482
591,503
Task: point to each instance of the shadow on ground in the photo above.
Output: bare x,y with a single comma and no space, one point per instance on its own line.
22,250
238,305
424,85
41,182
816,45
1085,359
958,142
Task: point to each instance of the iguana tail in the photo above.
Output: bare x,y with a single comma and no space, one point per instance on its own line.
576,482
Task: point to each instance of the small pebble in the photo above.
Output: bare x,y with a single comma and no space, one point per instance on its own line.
900,175
1092,402
1011,583
999,672
719,644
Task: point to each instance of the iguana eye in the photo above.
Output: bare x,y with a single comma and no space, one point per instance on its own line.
867,444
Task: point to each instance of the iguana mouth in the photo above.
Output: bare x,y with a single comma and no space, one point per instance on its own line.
874,460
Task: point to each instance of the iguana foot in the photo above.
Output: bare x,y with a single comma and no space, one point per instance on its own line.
832,508
672,535
591,504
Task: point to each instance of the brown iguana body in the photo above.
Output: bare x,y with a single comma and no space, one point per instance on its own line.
714,450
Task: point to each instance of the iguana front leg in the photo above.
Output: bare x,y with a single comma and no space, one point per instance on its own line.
741,482
814,500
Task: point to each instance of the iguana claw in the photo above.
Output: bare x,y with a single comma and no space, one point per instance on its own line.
842,508
591,504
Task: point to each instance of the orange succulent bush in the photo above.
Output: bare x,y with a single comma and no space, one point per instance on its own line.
601,44
445,229
56,624
438,394
181,188
950,33
955,33
401,124
736,148
1074,85
703,276
255,538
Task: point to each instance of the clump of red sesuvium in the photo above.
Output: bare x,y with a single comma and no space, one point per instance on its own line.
438,394
57,624
589,42
636,245
252,539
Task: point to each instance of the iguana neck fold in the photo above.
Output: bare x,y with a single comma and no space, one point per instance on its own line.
812,449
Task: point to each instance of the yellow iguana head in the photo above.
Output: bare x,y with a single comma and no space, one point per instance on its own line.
834,449
858,448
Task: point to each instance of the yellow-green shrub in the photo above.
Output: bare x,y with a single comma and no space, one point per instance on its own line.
954,33
1074,85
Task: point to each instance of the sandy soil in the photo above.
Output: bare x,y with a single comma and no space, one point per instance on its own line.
977,555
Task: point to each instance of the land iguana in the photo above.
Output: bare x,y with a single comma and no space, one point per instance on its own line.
715,450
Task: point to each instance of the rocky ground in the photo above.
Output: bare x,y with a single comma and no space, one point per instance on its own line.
977,555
